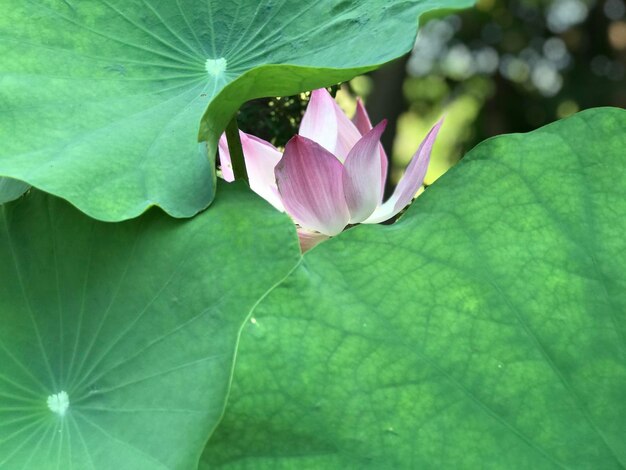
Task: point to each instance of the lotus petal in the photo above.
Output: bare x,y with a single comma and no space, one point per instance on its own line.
325,122
310,184
261,158
361,178
410,182
225,163
363,124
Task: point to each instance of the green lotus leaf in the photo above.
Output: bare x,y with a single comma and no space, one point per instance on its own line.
117,340
485,329
11,189
102,100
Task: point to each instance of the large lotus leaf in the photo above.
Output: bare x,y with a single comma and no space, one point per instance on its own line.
486,329
102,99
136,322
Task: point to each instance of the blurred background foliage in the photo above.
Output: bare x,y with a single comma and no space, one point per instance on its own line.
504,66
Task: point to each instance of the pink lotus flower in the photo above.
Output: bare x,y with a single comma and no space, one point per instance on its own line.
332,174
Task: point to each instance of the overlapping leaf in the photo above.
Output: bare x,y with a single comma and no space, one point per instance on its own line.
486,329
136,322
102,99
11,189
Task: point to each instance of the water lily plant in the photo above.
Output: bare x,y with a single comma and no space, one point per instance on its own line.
331,174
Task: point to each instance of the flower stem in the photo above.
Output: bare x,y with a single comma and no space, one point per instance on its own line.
236,151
